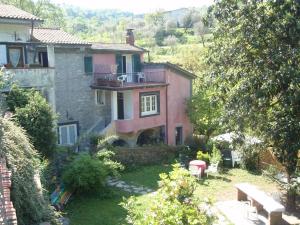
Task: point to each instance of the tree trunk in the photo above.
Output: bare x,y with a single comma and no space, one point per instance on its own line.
290,198
202,39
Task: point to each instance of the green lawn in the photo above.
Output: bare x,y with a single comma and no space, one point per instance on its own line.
92,210
146,176
96,211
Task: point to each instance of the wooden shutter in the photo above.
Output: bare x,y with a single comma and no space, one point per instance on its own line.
88,65
3,55
136,61
119,63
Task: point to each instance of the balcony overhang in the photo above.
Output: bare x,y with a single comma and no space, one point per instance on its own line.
128,86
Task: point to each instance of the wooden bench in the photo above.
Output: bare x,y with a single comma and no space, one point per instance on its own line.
261,201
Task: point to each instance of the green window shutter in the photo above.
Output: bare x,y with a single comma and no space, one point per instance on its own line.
119,63
136,61
88,65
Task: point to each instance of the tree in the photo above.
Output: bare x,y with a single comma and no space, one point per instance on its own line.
200,29
204,112
254,63
52,14
34,114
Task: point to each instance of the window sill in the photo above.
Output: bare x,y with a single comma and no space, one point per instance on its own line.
148,115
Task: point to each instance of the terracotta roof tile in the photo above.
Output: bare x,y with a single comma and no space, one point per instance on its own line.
11,12
56,36
116,47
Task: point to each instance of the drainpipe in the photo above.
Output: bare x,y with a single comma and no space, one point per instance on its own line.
167,118
31,35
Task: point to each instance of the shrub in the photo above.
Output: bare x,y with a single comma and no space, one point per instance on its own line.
174,203
216,155
34,114
203,156
22,159
88,173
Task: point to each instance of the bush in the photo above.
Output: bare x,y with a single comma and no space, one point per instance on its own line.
203,156
216,155
34,114
32,207
174,203
88,173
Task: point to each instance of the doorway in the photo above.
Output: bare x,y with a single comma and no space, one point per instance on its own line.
120,99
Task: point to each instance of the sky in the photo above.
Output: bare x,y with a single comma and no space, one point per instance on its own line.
135,6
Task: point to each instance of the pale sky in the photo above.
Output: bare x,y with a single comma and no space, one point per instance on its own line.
135,6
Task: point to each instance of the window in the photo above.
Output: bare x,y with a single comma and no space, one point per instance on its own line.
178,136
67,134
149,103
15,57
88,65
100,97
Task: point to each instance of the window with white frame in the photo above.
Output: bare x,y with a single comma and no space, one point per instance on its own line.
149,104
100,97
67,134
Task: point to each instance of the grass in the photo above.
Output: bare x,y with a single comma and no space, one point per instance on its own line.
93,210
147,176
221,187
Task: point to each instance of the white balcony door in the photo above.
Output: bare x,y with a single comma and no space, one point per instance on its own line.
129,69
67,134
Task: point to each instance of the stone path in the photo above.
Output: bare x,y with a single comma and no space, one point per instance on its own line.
114,182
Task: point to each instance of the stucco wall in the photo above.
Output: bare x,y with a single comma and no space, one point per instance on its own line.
8,32
141,123
75,100
102,62
179,90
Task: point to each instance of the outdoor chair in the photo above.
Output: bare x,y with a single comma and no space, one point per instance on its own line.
236,158
195,171
141,77
212,168
122,78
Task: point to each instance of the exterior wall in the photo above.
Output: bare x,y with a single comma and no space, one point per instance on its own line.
8,32
179,90
102,62
142,123
75,100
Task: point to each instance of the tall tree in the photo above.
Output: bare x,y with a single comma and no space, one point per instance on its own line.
51,13
255,64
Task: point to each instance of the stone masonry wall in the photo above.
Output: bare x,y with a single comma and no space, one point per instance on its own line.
75,100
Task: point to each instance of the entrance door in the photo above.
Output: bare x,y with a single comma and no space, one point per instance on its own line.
120,97
178,136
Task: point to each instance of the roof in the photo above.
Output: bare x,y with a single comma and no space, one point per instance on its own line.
56,36
117,47
173,67
11,12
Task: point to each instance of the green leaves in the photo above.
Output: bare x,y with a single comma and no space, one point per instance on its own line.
173,204
254,64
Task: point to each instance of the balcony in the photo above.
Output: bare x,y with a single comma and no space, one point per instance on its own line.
127,81
32,77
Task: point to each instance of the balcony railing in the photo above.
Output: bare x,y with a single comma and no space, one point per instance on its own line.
129,79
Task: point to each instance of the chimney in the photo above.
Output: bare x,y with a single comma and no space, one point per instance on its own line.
129,37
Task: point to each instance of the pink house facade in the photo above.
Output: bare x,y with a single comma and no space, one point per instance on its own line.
147,101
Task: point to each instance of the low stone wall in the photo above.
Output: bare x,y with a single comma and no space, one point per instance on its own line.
138,156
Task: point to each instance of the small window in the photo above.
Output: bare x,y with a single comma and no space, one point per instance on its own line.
149,104
178,136
88,65
67,134
100,97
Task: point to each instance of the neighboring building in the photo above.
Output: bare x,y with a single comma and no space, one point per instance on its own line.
97,88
